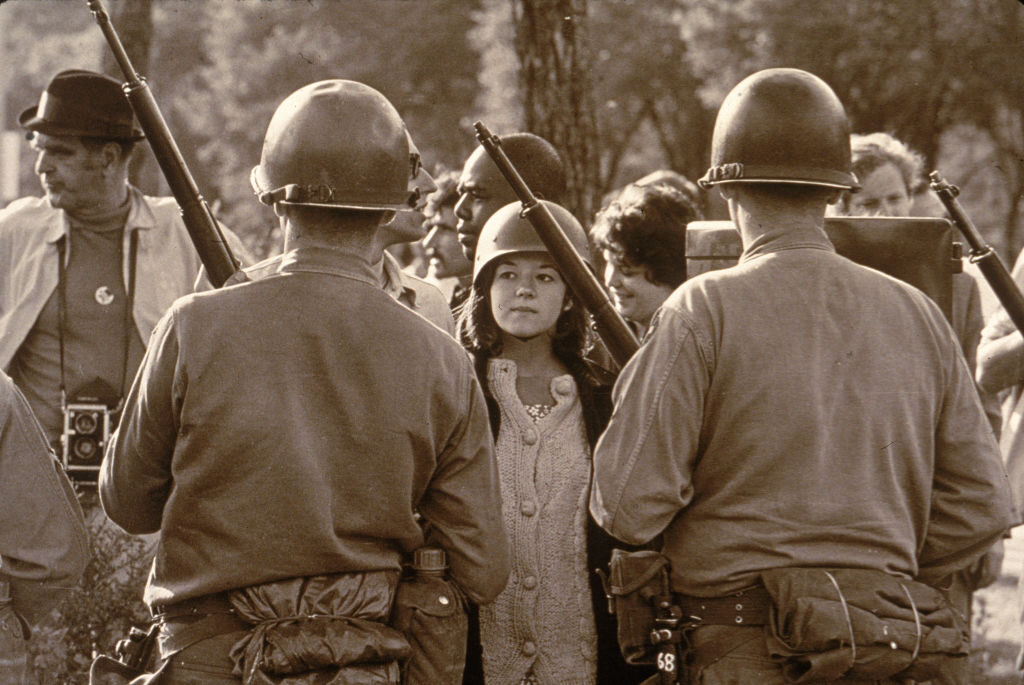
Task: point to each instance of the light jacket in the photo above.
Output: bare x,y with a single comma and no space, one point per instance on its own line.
166,266
420,296
800,410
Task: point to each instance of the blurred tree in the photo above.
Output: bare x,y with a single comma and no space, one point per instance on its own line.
990,88
133,21
259,52
497,102
554,58
649,113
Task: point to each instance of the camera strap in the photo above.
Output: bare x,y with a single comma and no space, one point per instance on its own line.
62,306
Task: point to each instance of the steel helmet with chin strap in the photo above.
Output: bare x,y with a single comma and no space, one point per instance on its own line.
508,232
781,126
342,145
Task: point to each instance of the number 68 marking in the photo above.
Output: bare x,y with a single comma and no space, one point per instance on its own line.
666,662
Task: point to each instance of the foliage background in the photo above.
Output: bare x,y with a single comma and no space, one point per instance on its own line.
943,75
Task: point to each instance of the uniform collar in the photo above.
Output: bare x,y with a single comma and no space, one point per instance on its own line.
324,260
781,239
394,285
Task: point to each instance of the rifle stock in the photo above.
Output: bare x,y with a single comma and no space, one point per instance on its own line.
988,261
202,227
612,328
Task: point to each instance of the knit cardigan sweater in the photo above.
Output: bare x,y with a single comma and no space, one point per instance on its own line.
543,620
593,386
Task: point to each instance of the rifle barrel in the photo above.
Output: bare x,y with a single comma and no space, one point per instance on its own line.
611,327
982,254
202,226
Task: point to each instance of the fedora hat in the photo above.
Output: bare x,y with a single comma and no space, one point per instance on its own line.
82,103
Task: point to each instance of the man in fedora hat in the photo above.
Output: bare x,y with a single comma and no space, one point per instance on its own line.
91,267
94,263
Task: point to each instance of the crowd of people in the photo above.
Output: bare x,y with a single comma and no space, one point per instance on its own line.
807,446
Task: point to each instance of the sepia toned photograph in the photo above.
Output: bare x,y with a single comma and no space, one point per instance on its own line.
511,342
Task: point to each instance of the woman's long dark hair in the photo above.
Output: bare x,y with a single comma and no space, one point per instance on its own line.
573,338
480,335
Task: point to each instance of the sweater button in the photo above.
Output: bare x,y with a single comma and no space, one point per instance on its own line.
529,649
530,582
528,508
530,437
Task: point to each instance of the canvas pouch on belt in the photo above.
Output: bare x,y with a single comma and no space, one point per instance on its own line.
632,584
859,623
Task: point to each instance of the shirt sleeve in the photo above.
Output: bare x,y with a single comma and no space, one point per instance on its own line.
1000,355
463,502
971,505
643,462
43,541
135,476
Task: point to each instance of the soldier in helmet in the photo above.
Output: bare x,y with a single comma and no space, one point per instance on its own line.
801,431
406,226
285,435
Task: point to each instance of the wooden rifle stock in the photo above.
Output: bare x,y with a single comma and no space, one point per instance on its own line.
988,261
206,236
612,328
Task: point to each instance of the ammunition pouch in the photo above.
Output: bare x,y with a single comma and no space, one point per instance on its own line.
650,626
856,623
302,626
315,629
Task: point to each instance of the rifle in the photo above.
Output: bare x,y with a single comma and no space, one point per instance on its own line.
612,328
202,227
988,261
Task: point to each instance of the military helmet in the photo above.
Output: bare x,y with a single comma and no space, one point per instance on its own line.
338,144
781,126
508,231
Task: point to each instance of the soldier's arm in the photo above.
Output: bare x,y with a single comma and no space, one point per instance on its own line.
43,540
643,463
463,502
972,506
135,476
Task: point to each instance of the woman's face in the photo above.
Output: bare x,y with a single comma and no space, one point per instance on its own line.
527,294
635,297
